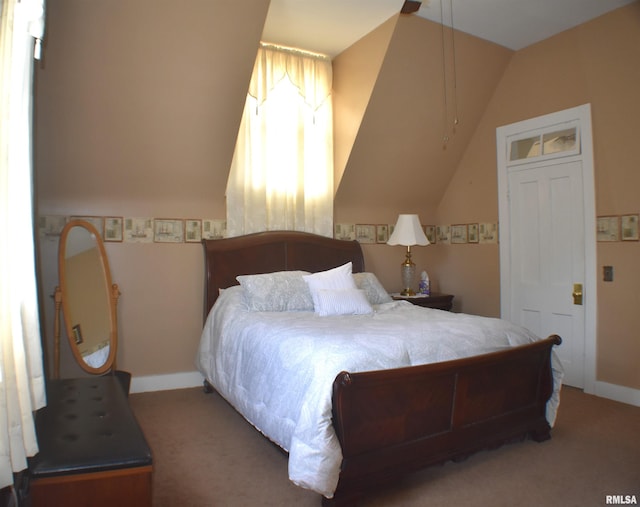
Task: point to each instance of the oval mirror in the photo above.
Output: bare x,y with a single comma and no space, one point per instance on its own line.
88,297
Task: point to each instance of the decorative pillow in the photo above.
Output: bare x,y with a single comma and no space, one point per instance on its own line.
341,302
281,291
375,292
339,278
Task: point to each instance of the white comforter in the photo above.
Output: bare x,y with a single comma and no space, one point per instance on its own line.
277,368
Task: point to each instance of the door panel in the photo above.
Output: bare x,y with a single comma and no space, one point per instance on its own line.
547,241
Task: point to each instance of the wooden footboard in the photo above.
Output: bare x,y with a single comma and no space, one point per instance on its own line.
393,422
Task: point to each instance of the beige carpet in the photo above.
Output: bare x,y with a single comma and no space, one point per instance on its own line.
205,454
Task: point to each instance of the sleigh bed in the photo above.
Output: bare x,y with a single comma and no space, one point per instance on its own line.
382,422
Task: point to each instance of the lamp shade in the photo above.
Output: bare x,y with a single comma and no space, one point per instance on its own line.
408,232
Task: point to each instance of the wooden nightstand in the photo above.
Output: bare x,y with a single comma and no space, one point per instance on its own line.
435,300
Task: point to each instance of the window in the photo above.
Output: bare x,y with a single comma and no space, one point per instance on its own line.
550,143
281,176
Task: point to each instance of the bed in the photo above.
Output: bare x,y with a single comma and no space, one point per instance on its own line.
356,401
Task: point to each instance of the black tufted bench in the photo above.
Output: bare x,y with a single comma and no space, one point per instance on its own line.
92,451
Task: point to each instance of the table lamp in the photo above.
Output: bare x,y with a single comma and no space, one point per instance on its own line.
408,232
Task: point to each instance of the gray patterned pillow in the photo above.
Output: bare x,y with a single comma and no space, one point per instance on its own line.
282,291
375,292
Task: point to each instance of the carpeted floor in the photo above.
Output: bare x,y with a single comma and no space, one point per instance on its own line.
205,454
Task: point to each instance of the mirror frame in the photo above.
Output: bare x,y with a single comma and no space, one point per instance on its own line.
112,297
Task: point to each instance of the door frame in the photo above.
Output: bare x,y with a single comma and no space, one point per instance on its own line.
581,114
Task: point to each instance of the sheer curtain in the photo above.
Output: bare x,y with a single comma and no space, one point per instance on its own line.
281,175
21,368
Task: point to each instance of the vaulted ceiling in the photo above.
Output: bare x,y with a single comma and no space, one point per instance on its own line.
330,26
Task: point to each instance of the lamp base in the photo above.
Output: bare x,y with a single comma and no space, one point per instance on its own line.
408,273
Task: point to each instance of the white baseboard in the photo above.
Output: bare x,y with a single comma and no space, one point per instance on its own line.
166,382
617,393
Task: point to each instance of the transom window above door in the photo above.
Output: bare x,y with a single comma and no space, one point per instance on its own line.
556,141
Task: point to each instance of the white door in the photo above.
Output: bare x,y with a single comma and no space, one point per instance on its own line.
547,235
547,253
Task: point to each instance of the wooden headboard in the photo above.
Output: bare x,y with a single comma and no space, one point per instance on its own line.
266,252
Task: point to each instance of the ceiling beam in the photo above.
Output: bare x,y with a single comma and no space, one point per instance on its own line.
410,6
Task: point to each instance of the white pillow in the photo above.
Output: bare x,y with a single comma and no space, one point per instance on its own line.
282,291
375,292
339,278
342,302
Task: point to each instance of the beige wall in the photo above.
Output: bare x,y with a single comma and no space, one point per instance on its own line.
596,63
137,109
398,159
143,123
398,162
355,73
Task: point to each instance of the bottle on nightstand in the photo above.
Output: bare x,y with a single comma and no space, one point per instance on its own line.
423,286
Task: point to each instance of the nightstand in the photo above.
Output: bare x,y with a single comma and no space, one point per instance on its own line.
434,300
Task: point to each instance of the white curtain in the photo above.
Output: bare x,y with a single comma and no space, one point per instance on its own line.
22,389
281,175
